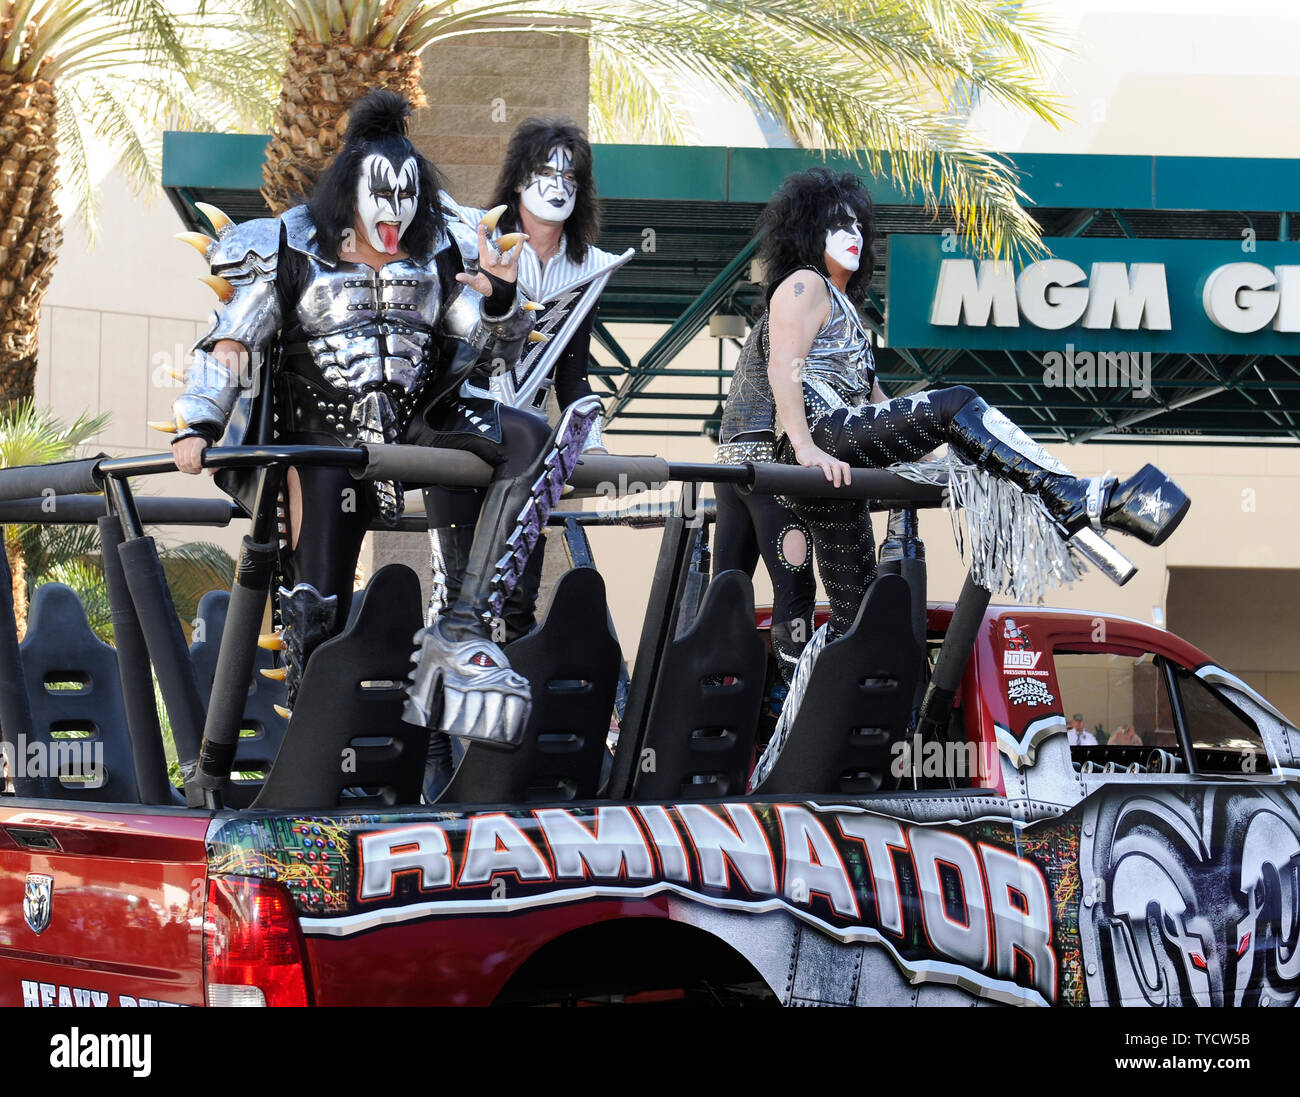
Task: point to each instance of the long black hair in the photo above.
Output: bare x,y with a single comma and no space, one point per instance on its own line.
529,147
795,222
376,124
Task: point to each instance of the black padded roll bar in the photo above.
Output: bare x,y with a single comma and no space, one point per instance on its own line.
611,474
133,672
599,473
967,617
876,484
74,510
15,706
239,642
166,643
59,478
419,465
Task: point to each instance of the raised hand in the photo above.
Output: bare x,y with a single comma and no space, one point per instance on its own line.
500,258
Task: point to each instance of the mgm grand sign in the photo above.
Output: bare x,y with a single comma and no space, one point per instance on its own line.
1226,297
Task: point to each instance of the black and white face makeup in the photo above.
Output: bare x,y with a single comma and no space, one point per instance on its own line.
552,190
844,239
386,197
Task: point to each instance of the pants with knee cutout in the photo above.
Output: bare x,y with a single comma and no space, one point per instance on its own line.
866,436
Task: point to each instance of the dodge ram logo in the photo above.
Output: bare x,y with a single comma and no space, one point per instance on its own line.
37,899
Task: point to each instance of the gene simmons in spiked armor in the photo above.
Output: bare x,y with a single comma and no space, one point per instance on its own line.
545,188
350,320
831,411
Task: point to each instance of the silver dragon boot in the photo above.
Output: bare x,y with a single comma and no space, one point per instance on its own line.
462,683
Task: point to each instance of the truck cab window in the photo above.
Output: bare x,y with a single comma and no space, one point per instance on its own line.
1118,712
1223,739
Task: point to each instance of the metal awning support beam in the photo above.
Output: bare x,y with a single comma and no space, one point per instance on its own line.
684,328
1150,413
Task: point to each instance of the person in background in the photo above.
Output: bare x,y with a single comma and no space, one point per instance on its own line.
547,190
1078,732
1125,736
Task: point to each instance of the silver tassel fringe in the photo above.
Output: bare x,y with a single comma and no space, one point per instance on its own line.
798,687
1016,548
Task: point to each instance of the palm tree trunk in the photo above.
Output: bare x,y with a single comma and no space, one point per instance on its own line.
320,83
29,226
18,580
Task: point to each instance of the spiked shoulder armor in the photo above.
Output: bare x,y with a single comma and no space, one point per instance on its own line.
243,260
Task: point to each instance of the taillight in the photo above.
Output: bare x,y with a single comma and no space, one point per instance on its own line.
252,945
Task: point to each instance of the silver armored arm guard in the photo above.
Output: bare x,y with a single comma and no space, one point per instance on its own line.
494,337
246,257
211,391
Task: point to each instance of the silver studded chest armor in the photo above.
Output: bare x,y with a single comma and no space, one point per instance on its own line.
358,350
350,353
354,349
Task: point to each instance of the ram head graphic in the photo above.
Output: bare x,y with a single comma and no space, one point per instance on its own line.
1195,899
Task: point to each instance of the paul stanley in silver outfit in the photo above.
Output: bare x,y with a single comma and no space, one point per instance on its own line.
832,414
352,319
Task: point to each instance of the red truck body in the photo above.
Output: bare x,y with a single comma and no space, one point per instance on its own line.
1032,881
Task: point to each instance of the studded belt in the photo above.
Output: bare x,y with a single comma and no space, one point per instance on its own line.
739,453
305,406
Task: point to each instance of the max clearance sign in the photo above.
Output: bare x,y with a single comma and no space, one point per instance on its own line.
1102,294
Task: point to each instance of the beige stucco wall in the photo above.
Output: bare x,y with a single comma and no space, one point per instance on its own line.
117,317
1166,78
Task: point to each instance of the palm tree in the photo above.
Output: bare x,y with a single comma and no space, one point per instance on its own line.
32,436
890,77
71,554
85,77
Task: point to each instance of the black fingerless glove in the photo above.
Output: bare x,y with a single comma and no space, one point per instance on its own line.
502,298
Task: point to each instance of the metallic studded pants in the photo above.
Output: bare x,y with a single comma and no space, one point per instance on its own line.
868,436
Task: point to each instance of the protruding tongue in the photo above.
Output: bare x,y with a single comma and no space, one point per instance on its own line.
388,234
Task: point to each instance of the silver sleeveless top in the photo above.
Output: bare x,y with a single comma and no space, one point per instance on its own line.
839,366
839,369
749,408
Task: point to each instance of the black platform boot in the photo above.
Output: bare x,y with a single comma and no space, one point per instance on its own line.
309,620
449,548
1147,506
462,683
439,766
788,641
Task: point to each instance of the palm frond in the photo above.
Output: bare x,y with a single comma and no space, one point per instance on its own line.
887,80
35,436
47,549
838,103
119,122
192,570
75,178
629,102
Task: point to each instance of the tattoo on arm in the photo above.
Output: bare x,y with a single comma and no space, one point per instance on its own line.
798,288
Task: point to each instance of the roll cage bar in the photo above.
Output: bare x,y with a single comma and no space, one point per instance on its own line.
148,631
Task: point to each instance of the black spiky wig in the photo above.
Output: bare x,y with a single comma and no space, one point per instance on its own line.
528,149
376,125
794,227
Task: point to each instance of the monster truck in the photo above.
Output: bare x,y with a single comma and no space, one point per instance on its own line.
925,834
